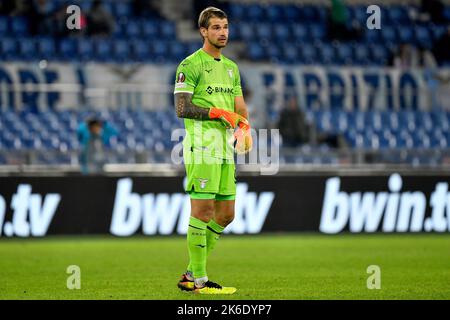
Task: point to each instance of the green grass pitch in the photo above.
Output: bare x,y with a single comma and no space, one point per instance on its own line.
269,266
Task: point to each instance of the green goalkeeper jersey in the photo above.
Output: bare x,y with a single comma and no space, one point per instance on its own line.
213,83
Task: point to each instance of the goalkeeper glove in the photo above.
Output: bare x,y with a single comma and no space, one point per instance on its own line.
230,119
243,137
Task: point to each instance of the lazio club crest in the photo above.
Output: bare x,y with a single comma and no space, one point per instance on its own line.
202,182
230,73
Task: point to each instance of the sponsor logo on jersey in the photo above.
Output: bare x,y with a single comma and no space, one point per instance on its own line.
212,90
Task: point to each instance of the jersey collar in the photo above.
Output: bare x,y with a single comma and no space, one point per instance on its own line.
211,57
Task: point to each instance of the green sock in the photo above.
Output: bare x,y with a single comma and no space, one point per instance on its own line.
213,232
196,239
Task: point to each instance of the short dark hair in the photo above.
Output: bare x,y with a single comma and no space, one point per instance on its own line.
208,13
91,122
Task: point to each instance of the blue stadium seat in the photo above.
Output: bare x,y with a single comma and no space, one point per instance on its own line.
27,49
50,143
177,51
246,30
281,32
237,12
405,34
379,54
274,54
372,36
361,54
8,48
263,31
159,50
290,53
423,37
291,12
140,50
255,51
326,53
31,143
299,31
67,49
309,13
317,31
358,13
344,54
4,26
388,34
85,5
122,9
168,30
103,50
193,46
150,29
308,53
234,32
19,26
437,31
397,14
121,50
46,48
132,29
119,31
85,49
255,13
274,13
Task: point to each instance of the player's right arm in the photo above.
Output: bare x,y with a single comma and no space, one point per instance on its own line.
186,109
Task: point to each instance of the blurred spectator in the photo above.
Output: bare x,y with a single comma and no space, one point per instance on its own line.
441,48
257,114
432,10
94,136
339,25
147,9
406,56
293,126
7,7
426,58
437,80
40,17
100,21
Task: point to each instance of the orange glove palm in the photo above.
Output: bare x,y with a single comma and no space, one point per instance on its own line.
230,119
243,137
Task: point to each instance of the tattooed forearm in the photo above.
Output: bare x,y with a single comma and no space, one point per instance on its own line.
186,109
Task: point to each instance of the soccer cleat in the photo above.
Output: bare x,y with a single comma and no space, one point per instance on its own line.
214,288
185,284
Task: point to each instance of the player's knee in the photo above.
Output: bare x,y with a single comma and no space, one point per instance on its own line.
204,213
225,219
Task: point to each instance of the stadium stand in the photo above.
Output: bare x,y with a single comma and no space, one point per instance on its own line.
258,27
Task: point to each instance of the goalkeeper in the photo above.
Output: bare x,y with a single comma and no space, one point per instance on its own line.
208,96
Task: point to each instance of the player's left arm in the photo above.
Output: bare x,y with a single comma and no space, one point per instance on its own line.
239,103
243,135
240,107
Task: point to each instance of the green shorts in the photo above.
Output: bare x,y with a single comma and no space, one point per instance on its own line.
209,178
